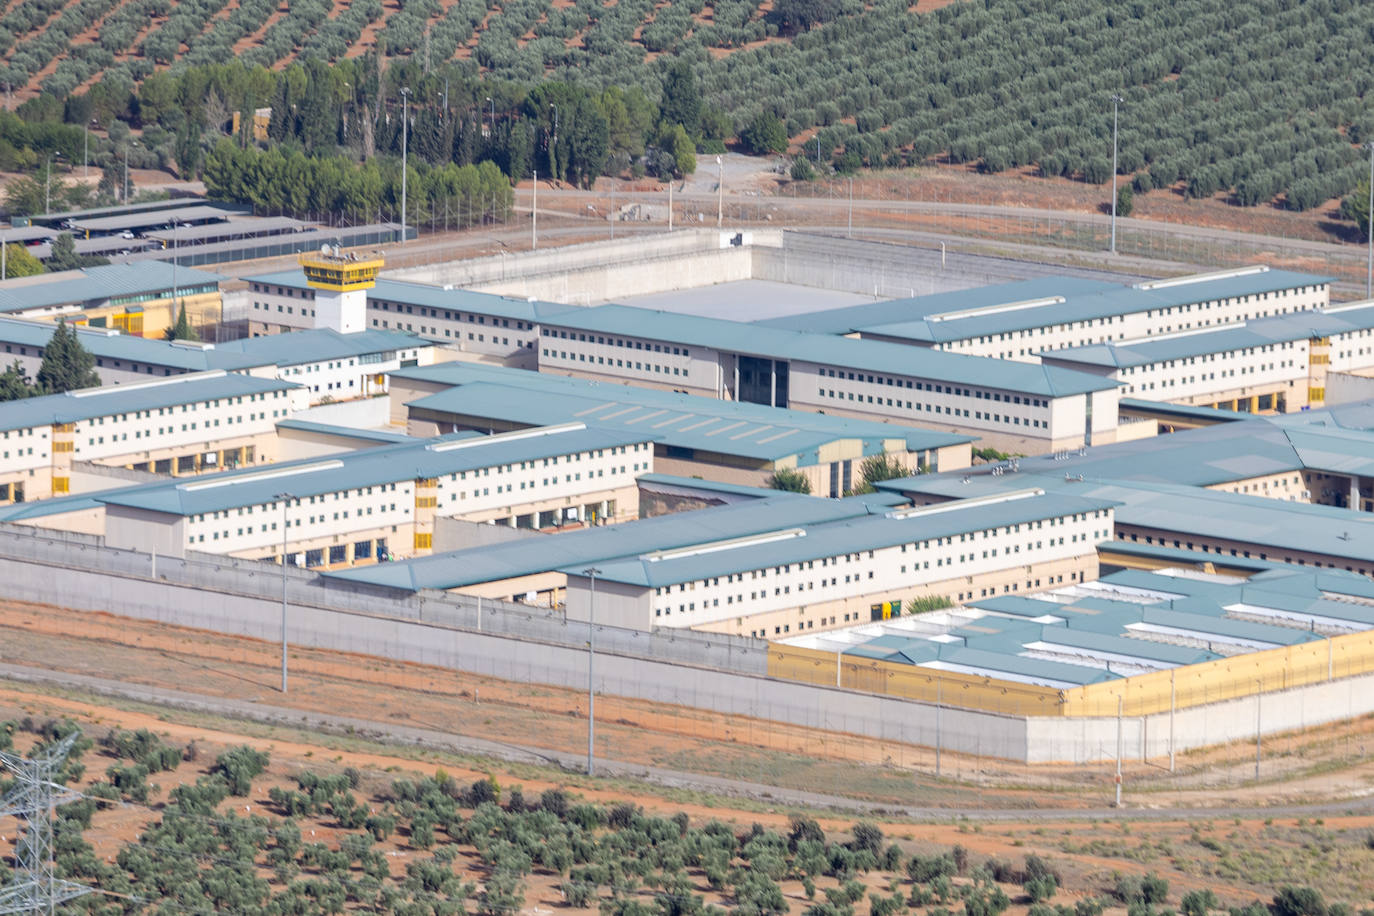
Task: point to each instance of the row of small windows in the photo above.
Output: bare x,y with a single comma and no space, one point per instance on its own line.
627,344
934,387
915,546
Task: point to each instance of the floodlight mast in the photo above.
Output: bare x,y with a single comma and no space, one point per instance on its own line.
1116,103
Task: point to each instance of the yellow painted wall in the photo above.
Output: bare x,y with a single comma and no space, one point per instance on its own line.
1144,694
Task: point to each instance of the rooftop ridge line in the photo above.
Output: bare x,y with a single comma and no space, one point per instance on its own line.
156,383
1203,278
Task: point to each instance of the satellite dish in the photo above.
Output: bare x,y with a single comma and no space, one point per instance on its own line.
324,249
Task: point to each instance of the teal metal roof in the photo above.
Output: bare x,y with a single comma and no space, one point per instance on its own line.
836,538
112,345
824,350
415,460
430,296
1336,440
99,284
352,432
1260,332
594,546
1036,303
1274,527
294,348
74,406
704,425
848,319
671,481
1211,414
1122,624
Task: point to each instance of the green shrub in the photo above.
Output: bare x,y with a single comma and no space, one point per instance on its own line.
1298,901
1198,903
924,869
240,766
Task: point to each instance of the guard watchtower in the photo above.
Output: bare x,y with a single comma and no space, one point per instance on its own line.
341,282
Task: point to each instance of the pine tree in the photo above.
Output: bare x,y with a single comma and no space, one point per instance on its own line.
14,383
67,365
182,330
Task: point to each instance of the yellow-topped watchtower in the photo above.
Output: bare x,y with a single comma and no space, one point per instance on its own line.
341,282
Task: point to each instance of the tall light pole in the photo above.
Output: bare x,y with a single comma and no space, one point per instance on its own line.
851,206
86,151
720,193
405,140
176,227
553,144
493,116
47,185
592,572
1116,102
285,501
126,169
1369,226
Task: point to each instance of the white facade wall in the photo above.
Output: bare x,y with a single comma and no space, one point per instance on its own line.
1208,375
183,426
281,306
347,512
835,578
111,371
1025,344
347,377
558,477
472,332
832,389
919,401
327,515
1352,351
24,450
647,362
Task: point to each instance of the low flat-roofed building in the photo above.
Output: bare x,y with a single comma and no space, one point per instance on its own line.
793,579
529,569
143,220
722,440
134,298
1021,320
120,358
473,322
330,364
334,365
357,506
1123,625
1212,521
175,426
1010,405
1324,457
1262,365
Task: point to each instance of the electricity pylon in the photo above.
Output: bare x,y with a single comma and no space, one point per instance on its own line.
33,800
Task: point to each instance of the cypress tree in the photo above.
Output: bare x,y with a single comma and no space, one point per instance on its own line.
182,330
67,365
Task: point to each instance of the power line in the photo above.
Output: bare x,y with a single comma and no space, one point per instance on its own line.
32,800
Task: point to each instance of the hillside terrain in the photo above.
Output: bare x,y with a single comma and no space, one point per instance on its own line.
1256,99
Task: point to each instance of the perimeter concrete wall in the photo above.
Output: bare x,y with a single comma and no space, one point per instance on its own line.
688,258
719,673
